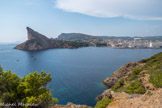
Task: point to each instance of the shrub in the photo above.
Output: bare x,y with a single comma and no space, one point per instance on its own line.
118,85
132,77
156,79
137,70
30,89
135,87
103,103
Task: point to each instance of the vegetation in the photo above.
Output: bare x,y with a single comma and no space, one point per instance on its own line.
135,87
137,70
77,44
103,103
135,73
152,66
117,86
31,89
156,79
101,44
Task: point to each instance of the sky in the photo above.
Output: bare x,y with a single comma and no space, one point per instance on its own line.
94,17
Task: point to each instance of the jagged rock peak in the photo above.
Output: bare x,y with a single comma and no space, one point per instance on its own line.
34,34
37,41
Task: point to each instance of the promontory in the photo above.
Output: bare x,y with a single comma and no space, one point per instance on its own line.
37,41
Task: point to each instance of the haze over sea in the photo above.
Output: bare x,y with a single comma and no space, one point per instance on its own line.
77,73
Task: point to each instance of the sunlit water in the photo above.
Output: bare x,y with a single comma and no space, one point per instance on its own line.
76,73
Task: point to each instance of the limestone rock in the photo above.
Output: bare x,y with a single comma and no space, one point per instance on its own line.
120,73
37,41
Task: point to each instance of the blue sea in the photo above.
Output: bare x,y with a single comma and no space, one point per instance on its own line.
76,73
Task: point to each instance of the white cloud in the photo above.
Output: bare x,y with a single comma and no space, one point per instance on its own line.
133,9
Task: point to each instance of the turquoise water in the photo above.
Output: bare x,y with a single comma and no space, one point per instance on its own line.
77,73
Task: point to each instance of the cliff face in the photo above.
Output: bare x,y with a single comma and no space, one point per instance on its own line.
123,71
37,41
136,85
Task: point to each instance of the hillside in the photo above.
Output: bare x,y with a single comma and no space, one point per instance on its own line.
136,85
80,36
74,36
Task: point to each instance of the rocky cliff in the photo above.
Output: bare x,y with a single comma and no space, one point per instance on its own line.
123,71
37,41
136,85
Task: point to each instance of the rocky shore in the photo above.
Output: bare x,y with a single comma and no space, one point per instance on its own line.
146,93
152,98
123,71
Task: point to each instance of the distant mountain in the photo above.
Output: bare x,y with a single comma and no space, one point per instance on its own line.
153,38
37,41
75,36
80,36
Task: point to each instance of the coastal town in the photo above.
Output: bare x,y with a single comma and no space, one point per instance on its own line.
136,42
114,41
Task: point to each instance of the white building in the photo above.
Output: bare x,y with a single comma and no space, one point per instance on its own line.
155,45
137,40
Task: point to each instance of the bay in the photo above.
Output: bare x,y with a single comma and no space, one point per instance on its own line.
76,73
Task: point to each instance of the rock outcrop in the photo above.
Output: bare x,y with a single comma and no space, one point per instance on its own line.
107,93
37,41
120,73
136,85
151,99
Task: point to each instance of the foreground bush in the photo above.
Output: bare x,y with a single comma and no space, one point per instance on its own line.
135,87
118,85
156,79
31,89
154,66
103,103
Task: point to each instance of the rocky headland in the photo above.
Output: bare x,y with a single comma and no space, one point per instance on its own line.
135,85
123,71
37,41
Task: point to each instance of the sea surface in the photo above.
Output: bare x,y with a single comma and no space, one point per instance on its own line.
76,73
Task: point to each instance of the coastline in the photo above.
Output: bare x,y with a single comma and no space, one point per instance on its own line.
120,80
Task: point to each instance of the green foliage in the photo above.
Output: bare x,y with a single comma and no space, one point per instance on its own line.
135,87
103,103
135,73
132,77
101,44
156,79
9,83
78,44
156,57
30,89
1,70
137,70
118,85
152,66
